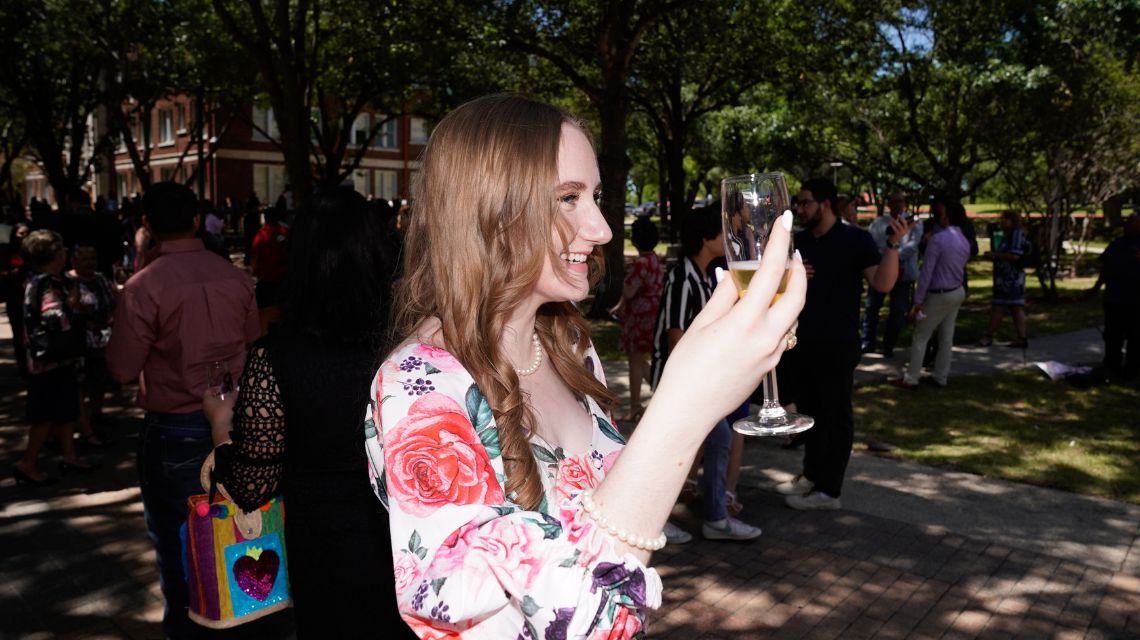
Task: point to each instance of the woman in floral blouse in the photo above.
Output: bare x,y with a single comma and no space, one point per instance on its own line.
489,430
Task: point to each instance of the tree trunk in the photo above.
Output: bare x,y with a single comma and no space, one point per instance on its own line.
679,203
51,162
1113,208
613,164
296,146
668,229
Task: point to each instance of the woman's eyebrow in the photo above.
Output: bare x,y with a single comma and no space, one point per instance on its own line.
572,185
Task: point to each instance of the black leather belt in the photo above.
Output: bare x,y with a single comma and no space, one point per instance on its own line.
944,290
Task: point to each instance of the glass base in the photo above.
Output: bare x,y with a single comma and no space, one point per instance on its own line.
785,425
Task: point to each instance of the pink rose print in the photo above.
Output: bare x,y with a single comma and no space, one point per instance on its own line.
450,555
583,533
407,568
439,358
609,460
433,458
428,632
509,550
625,626
574,475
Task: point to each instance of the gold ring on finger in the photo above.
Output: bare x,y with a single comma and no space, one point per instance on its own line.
792,340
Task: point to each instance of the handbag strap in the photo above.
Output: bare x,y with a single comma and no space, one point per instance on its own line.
206,476
249,523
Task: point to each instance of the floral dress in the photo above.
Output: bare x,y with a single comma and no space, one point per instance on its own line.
468,561
640,317
1009,277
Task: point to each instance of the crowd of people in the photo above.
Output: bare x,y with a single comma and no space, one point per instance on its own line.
477,471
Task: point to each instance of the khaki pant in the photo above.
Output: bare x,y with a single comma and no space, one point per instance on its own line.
941,313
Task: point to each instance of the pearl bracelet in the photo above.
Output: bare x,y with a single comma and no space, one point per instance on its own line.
631,539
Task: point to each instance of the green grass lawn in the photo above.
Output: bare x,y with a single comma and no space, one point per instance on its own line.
1017,426
1072,310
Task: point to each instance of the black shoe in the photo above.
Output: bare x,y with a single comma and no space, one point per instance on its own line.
1020,343
888,353
867,348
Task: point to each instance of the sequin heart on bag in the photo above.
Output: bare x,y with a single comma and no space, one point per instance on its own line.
256,572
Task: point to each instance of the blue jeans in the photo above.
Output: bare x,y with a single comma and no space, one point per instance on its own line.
900,303
714,480
171,450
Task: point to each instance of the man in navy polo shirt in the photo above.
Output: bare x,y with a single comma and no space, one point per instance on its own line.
820,371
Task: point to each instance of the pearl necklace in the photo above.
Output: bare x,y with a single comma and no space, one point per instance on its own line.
534,365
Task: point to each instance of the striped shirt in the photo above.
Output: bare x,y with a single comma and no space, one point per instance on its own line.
686,292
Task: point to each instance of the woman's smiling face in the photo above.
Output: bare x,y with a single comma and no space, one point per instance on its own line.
578,192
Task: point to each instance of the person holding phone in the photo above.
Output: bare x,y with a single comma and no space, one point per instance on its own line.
901,293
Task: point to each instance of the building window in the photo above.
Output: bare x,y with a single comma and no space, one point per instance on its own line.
418,133
166,174
384,185
124,185
165,126
386,136
264,124
268,181
360,131
360,181
182,117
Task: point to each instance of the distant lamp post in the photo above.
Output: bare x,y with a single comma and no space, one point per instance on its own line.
835,172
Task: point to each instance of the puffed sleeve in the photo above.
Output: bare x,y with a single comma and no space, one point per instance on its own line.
467,559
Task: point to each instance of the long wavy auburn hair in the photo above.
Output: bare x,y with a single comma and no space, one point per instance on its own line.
484,216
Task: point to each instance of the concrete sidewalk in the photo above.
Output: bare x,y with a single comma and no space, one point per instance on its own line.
916,552
1078,347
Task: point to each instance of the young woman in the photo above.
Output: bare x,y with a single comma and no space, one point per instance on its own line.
641,293
1009,281
489,430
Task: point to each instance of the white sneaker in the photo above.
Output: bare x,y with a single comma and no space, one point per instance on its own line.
812,501
676,535
731,529
797,486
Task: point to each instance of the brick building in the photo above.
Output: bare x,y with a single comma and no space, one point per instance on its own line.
244,159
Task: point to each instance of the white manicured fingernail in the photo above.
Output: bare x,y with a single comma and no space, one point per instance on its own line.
719,274
786,219
799,258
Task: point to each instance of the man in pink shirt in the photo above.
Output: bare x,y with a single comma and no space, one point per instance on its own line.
186,309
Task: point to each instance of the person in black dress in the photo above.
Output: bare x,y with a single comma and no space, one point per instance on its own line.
297,424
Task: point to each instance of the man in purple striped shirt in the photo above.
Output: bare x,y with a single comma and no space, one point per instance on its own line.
939,294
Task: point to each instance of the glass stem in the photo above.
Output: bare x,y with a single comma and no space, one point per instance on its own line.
771,408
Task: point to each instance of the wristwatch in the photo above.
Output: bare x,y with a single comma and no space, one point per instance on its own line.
892,245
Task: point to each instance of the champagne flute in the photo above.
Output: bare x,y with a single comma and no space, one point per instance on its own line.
218,378
751,205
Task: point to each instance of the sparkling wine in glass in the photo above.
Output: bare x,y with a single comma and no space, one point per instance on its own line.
218,378
751,205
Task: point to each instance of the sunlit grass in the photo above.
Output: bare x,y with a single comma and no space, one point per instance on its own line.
1017,426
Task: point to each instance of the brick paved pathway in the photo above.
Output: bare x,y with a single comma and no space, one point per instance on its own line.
848,575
